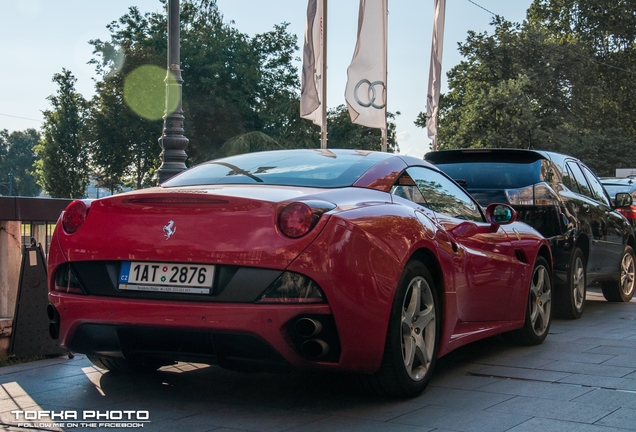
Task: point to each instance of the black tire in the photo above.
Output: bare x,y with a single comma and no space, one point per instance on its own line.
123,365
623,289
412,340
571,296
539,308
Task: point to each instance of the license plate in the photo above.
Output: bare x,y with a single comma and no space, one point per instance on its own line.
166,277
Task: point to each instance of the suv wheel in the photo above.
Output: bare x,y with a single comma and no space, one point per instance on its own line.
623,290
571,300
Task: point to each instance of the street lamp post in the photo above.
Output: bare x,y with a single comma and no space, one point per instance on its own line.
173,141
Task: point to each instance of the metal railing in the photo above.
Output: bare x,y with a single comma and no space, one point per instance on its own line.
37,216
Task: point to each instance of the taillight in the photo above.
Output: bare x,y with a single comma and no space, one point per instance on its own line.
293,288
66,282
540,194
74,216
298,218
629,213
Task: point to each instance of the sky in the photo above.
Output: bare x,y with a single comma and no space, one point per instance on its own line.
41,37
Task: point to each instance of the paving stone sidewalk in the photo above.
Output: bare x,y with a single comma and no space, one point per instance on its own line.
583,378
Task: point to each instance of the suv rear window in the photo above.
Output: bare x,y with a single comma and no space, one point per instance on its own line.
494,175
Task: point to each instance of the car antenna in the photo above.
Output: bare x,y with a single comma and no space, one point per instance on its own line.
530,141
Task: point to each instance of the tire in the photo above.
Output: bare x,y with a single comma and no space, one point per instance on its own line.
623,289
539,309
571,300
412,340
123,366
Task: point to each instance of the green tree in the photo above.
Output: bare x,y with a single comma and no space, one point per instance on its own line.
605,32
540,85
62,164
249,142
124,145
233,85
17,159
342,133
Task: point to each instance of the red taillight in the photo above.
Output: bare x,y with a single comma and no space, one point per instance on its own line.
629,213
296,220
74,216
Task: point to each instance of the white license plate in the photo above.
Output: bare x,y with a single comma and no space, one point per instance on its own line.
166,277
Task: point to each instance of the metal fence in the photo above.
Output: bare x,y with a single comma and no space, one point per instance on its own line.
37,216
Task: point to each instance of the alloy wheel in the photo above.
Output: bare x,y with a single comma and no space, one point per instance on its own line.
578,283
540,300
628,269
418,328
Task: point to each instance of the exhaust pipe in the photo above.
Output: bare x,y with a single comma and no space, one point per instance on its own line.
314,349
308,327
54,317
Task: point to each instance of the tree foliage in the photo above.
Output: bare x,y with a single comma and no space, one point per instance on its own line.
240,93
62,164
17,159
233,85
342,133
562,81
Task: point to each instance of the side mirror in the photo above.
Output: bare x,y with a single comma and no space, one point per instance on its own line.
500,214
623,199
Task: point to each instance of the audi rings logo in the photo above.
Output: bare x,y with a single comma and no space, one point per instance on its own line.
370,94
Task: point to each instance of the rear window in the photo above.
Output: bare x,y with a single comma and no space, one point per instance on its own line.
613,189
312,168
494,175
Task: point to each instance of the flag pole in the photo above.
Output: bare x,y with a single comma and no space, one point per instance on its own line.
323,126
435,71
386,79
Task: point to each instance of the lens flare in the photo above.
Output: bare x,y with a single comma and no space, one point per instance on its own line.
145,92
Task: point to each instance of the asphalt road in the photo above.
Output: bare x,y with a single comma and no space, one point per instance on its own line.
582,378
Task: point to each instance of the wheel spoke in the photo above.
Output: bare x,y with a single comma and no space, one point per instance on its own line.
538,281
540,320
425,319
414,305
409,352
421,351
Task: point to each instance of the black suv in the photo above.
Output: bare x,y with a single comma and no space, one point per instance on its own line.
562,199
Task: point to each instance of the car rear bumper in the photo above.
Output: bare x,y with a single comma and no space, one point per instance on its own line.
236,336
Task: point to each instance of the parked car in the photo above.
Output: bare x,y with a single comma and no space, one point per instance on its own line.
312,259
563,199
628,185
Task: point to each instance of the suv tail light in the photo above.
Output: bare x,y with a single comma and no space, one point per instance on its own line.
539,194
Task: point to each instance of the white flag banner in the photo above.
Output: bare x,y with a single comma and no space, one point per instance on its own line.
311,87
366,76
435,72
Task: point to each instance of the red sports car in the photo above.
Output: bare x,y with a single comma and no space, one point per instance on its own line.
313,259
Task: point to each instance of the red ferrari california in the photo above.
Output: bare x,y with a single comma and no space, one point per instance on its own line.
343,260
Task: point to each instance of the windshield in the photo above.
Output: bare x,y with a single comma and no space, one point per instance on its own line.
313,168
